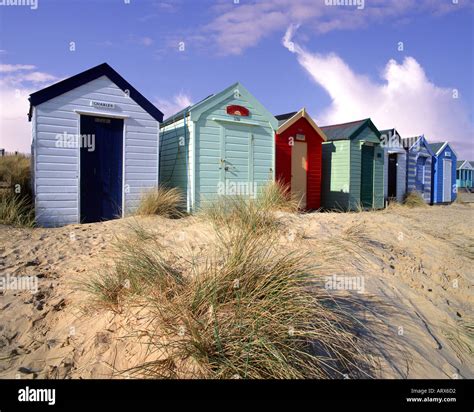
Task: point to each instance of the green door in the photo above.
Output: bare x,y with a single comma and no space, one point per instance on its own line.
367,176
237,159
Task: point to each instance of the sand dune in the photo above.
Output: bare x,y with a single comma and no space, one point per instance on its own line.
416,266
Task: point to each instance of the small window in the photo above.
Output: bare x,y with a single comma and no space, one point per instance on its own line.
301,137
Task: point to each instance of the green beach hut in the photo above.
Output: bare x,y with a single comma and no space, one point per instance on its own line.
352,170
222,145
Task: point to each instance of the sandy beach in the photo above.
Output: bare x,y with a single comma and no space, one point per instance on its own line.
414,267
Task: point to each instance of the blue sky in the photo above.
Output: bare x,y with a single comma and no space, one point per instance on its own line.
341,62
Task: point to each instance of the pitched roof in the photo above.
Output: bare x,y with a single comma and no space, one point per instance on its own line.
296,116
409,142
87,76
464,164
345,131
437,146
197,109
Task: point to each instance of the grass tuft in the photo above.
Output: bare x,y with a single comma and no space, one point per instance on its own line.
15,173
414,199
247,309
16,205
139,268
277,196
16,210
239,213
161,201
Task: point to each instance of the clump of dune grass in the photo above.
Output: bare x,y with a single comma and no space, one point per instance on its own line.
277,196
252,213
414,199
247,309
16,210
105,289
15,173
143,266
139,267
239,212
16,204
256,314
161,201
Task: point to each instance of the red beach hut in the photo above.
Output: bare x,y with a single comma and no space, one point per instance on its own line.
298,157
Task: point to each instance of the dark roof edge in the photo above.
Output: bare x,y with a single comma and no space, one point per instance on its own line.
345,124
285,115
87,76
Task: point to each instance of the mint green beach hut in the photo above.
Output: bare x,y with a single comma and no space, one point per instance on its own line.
223,145
353,163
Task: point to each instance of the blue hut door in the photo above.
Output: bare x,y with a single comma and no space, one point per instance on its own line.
101,169
420,174
367,176
237,160
447,183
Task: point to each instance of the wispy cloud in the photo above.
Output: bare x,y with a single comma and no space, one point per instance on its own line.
238,26
404,97
173,105
10,68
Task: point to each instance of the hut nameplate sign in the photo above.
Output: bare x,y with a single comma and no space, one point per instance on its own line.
102,105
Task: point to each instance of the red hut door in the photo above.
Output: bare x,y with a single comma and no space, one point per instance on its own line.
299,170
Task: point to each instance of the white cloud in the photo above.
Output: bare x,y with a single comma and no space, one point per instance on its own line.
15,88
243,25
173,105
404,98
10,68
